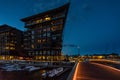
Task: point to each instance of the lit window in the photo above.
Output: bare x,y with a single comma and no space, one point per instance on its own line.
20,58
44,40
47,18
7,48
11,57
39,41
32,46
12,48
53,28
39,21
43,57
12,44
3,57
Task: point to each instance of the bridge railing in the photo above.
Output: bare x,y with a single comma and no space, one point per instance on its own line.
71,75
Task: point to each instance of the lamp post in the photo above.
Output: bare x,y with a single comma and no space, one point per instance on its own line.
78,47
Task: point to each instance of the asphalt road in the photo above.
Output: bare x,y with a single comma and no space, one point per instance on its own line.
95,71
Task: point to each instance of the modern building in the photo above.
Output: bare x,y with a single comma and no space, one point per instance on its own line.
43,35
10,42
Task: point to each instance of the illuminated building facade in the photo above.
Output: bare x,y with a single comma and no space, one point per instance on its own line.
43,35
10,41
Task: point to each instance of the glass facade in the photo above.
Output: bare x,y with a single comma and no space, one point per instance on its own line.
10,41
43,38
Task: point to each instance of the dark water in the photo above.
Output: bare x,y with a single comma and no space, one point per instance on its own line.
21,75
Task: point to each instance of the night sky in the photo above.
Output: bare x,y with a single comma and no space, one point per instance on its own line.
94,25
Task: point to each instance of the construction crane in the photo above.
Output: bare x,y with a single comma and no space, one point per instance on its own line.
73,46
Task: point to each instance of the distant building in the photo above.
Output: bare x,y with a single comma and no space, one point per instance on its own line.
43,37
10,42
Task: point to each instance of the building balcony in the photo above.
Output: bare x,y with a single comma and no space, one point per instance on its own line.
33,25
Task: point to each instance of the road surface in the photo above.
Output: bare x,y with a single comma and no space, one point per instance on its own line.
95,71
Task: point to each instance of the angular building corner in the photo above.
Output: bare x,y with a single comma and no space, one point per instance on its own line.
43,35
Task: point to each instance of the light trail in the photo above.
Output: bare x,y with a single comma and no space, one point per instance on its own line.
76,71
88,70
102,65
